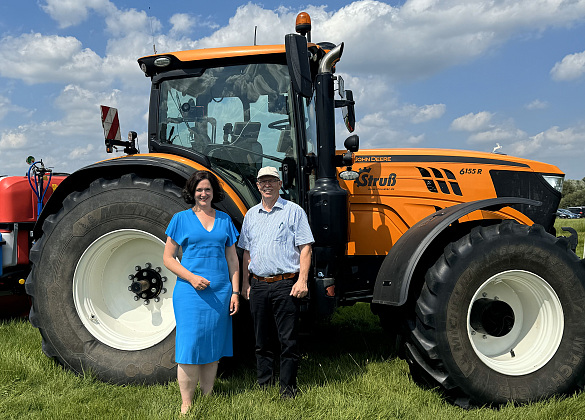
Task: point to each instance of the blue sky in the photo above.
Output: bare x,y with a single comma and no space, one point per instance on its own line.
454,74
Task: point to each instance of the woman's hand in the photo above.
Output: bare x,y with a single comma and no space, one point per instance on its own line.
200,283
234,304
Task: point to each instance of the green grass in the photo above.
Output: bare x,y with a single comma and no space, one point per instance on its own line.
347,372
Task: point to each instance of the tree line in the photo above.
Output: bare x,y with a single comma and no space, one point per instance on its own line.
573,193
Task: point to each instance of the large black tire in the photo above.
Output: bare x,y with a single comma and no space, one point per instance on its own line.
88,319
500,318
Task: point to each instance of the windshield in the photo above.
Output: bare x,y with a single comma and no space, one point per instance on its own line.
237,116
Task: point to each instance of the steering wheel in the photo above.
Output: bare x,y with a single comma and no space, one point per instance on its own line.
279,125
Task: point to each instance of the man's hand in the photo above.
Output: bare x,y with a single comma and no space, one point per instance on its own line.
246,290
299,289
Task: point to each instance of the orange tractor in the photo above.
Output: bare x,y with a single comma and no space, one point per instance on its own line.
455,251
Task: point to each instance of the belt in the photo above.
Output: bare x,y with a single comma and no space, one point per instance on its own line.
275,278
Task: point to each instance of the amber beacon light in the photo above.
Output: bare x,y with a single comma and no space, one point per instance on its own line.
303,25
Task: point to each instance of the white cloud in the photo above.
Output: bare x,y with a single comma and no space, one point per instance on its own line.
272,26
79,152
73,12
13,140
552,142
428,112
40,59
570,68
472,122
130,21
498,135
419,114
423,37
569,136
536,104
73,141
182,23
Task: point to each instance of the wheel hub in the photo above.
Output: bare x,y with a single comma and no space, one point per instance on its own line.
125,316
515,322
492,317
147,283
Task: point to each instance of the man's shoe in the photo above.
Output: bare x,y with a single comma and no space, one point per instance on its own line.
288,393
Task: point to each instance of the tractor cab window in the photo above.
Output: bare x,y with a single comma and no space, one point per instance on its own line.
238,116
310,137
310,125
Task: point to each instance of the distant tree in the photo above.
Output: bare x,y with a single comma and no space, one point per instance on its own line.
573,193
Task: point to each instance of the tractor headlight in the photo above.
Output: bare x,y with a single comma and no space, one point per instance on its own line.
555,181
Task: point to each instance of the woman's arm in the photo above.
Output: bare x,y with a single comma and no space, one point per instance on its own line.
234,269
170,261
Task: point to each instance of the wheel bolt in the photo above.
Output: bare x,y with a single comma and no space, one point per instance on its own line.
153,281
130,277
137,268
163,278
148,265
157,269
129,288
157,299
473,333
144,295
484,294
163,290
136,297
146,302
496,298
153,290
484,337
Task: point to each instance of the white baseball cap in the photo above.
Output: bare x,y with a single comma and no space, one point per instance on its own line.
268,171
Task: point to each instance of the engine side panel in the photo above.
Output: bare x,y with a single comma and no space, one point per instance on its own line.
398,188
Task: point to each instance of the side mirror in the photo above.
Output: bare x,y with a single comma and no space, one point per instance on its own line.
348,111
297,59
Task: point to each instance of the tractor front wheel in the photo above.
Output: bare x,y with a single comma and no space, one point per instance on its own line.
102,298
500,318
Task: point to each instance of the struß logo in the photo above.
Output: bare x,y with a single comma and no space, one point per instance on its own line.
365,179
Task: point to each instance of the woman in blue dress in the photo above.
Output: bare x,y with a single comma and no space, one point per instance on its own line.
207,290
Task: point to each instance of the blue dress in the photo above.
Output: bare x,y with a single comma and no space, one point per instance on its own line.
204,326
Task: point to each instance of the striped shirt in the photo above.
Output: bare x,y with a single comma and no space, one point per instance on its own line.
273,238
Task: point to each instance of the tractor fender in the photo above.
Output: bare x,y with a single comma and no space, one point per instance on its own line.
395,274
178,170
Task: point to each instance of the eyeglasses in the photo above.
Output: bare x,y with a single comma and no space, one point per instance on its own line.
268,181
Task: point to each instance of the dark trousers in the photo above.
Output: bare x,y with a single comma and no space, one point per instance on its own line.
271,305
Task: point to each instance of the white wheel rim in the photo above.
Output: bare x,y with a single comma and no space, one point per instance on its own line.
537,329
102,299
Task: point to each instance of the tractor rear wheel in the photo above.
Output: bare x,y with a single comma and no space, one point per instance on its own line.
102,298
500,318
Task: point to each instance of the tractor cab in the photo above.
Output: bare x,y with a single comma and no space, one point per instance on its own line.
237,109
239,117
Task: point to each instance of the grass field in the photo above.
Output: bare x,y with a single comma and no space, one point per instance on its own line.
347,372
